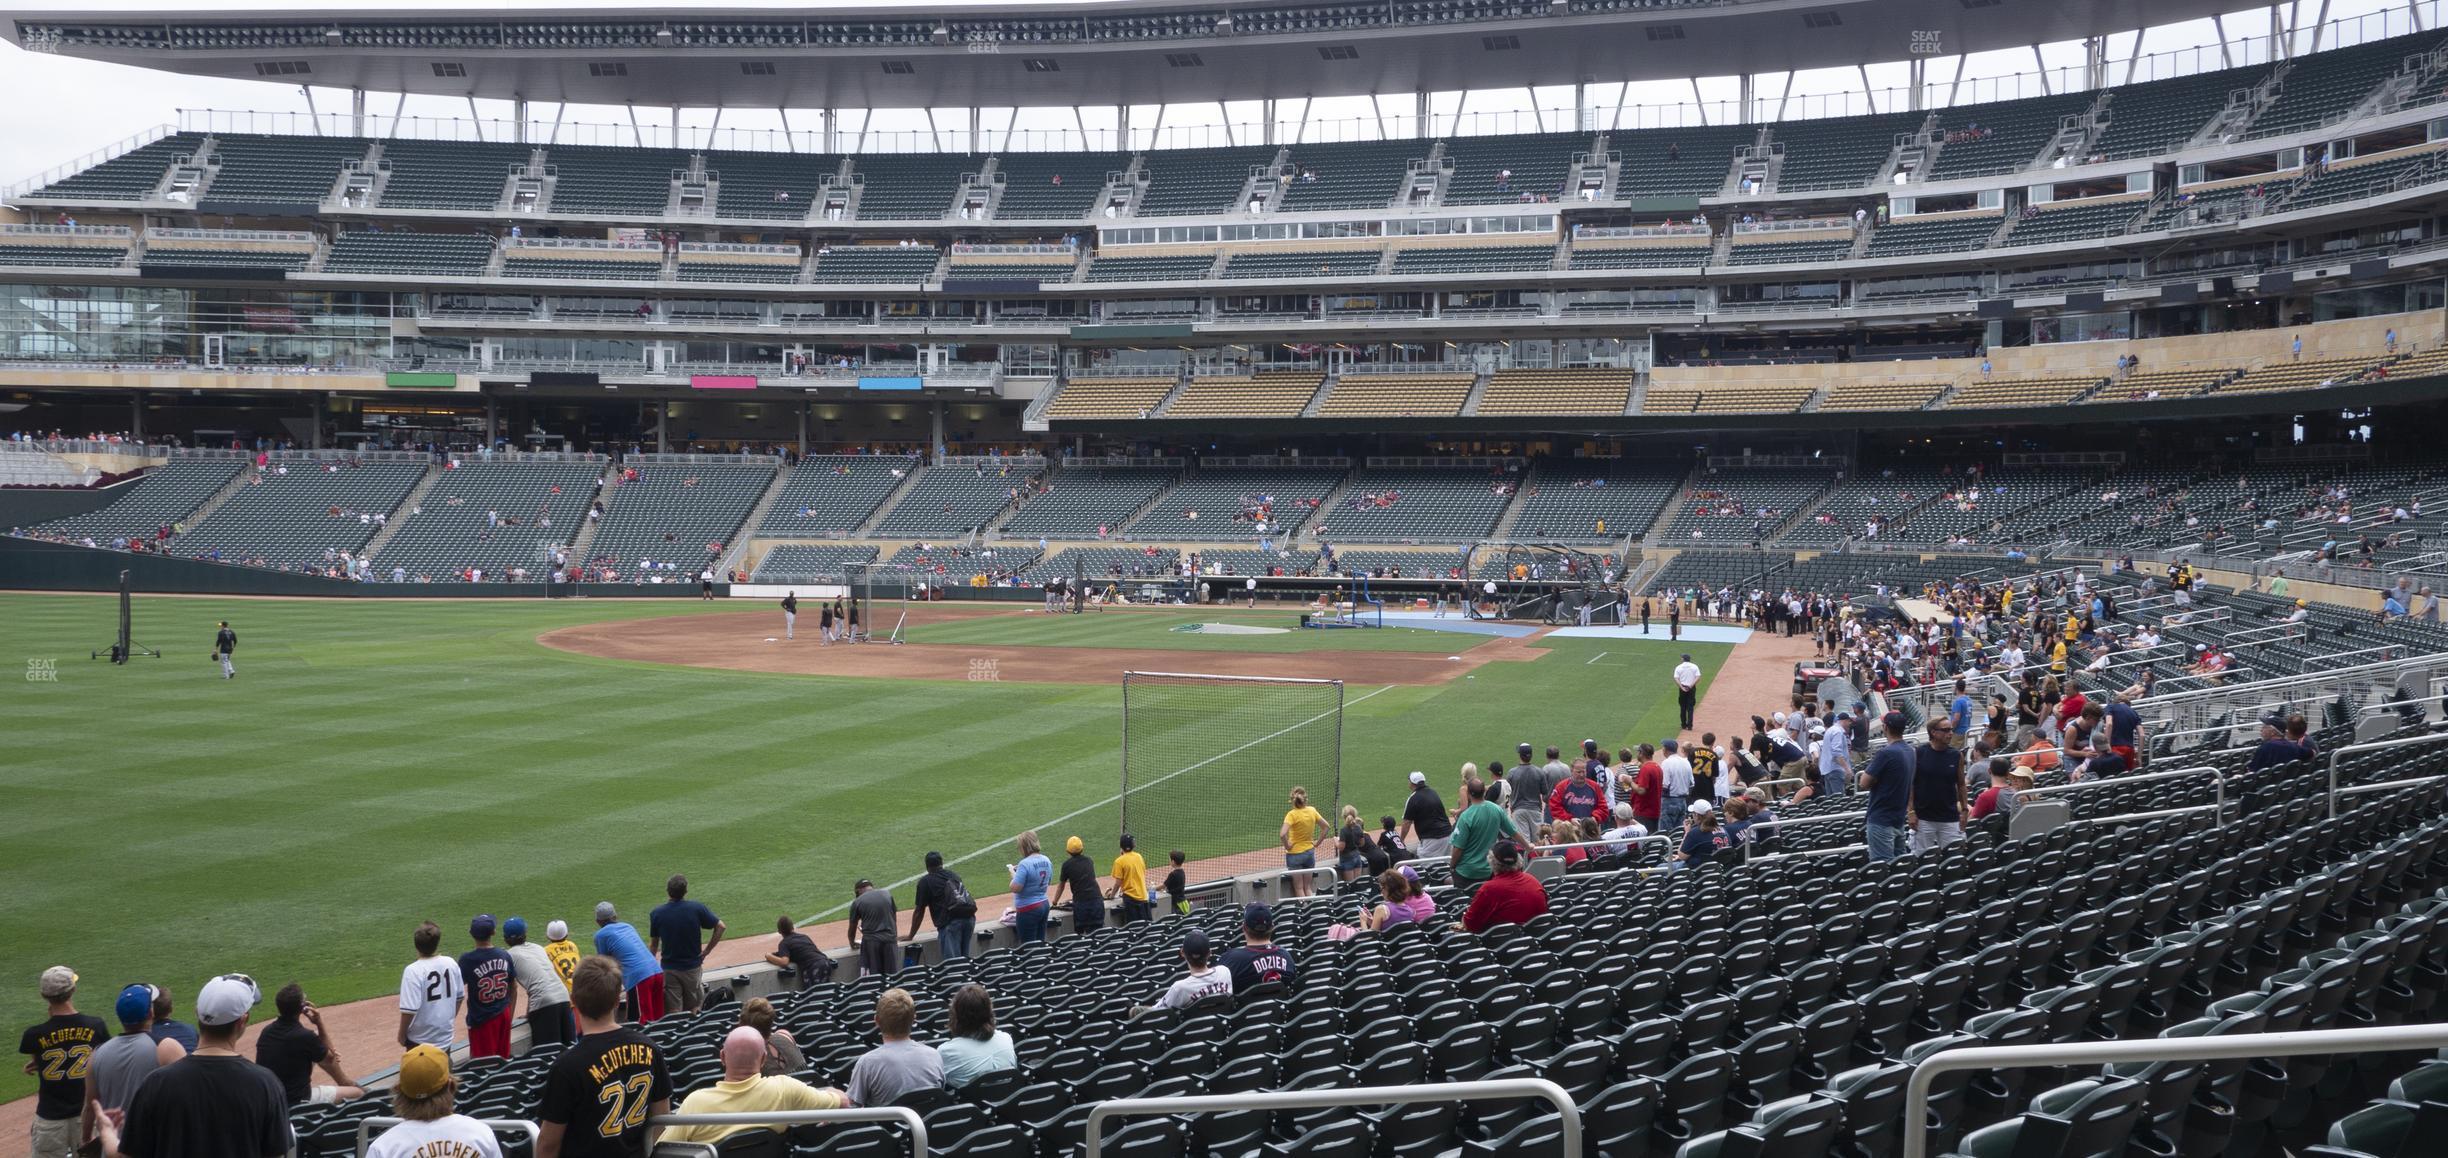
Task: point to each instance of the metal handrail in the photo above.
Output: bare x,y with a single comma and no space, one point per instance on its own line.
1568,1114
365,1130
2218,781
2369,1039
902,1114
2371,746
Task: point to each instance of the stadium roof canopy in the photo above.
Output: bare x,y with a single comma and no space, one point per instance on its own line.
1135,52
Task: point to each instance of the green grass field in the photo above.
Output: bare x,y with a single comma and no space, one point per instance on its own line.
379,763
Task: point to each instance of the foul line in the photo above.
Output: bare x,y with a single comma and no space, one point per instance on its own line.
837,910
1595,658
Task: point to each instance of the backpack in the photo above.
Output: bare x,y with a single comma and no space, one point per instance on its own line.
958,905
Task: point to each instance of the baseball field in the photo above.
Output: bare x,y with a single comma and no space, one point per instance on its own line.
381,762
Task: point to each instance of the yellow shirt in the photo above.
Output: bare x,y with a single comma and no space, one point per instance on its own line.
2057,657
2006,602
1130,875
757,1095
564,955
1304,823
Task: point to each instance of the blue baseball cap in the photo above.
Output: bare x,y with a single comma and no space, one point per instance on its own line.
514,927
482,926
1257,916
135,1005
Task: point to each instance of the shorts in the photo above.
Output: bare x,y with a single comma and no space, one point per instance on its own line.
879,956
646,999
491,1037
550,1025
56,1137
1350,861
1435,847
1300,860
683,989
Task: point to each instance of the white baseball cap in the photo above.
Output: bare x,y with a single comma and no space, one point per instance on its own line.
1418,777
1702,808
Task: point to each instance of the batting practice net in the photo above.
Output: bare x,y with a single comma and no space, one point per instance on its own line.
1209,761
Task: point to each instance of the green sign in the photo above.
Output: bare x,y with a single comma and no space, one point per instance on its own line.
421,380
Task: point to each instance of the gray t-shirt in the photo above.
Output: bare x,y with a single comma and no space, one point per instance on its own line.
893,1069
1555,773
534,969
1529,782
119,1066
874,911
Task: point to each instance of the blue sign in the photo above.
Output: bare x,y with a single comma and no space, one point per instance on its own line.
892,383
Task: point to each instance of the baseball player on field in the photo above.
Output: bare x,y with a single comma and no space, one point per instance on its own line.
223,644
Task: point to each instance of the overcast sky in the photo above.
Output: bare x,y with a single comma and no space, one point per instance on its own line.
55,109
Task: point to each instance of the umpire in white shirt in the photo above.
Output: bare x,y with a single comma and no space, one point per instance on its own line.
1687,688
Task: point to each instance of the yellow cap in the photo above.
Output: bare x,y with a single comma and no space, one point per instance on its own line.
1074,845
424,1072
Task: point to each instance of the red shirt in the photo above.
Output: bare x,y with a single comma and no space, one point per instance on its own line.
1506,899
1648,785
2071,707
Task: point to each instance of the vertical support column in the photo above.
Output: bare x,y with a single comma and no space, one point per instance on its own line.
314,432
1266,114
1122,130
938,422
662,427
2095,61
804,407
1580,123
357,112
832,131
1419,115
977,125
492,420
1918,71
136,415
518,110
1745,97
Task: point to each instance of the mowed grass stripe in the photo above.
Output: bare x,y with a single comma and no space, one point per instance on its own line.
380,763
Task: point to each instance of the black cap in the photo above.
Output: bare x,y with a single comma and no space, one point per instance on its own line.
1507,852
1196,944
1895,721
934,860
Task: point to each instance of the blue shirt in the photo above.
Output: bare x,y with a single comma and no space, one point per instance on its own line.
1961,710
1835,752
1030,878
2123,722
676,924
1891,774
620,941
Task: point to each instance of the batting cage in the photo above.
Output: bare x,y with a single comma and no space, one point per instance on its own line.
1209,761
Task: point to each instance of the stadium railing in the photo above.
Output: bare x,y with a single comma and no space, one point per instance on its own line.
2368,1039
1567,1112
2375,746
907,1117
2218,782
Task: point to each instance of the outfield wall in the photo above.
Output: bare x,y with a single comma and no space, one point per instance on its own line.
26,507
36,565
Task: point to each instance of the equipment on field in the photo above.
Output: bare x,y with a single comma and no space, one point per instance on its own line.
1209,761
1553,583
124,648
878,588
1362,610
